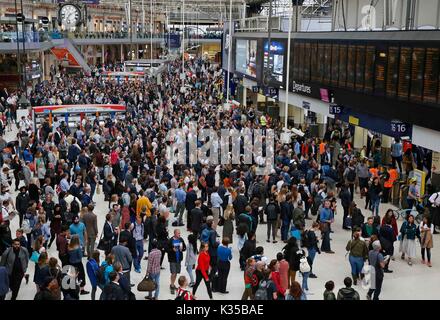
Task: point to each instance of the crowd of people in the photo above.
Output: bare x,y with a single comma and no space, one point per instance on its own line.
62,172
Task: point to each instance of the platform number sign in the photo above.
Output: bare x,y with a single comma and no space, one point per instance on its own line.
399,127
255,89
272,92
335,109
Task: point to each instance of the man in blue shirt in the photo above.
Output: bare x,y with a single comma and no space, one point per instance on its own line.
326,219
180,195
78,228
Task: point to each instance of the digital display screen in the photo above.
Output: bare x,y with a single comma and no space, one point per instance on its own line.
335,65
404,73
392,71
327,63
351,66
296,61
246,57
307,60
314,62
342,79
380,71
360,68
275,61
370,57
321,57
417,69
431,75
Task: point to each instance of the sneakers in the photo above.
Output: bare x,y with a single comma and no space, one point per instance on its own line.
313,276
172,289
410,263
83,292
330,252
274,241
137,270
191,284
268,241
388,271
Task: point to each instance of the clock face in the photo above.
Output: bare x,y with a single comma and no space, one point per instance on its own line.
70,15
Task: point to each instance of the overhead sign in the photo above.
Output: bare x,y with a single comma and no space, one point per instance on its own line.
335,109
79,108
306,105
271,92
255,89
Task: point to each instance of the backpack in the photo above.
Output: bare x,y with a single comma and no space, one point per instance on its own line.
74,207
181,297
261,293
304,265
305,241
100,275
206,234
351,175
348,296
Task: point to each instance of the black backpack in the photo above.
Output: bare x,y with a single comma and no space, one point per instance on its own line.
305,240
348,296
351,175
181,296
100,275
74,207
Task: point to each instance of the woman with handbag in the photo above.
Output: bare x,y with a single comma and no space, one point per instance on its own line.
426,232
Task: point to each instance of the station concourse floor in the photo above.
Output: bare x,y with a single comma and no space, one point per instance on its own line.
417,282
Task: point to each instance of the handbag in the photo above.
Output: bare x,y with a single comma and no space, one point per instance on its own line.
35,256
147,284
221,221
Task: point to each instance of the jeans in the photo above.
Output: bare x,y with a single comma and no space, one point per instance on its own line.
428,254
305,276
356,263
223,272
285,229
180,209
140,253
271,226
411,203
375,206
311,257
156,278
189,269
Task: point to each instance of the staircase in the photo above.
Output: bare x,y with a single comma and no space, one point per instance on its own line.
65,50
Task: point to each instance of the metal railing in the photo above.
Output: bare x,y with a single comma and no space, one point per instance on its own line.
258,24
27,36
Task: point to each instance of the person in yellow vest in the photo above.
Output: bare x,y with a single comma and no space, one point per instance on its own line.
263,123
392,176
141,202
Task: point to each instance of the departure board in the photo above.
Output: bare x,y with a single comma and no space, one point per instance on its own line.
379,70
351,66
404,73
417,69
321,57
342,65
301,61
307,59
314,62
360,68
392,71
370,56
327,63
430,84
295,61
335,65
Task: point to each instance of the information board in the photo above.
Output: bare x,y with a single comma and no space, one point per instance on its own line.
246,57
417,72
370,56
342,79
360,68
275,61
351,66
404,73
392,72
430,84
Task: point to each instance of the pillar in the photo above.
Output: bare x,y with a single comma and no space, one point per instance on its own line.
321,121
386,150
43,66
244,96
360,137
136,46
122,53
103,54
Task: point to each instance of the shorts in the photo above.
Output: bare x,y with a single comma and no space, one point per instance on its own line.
175,267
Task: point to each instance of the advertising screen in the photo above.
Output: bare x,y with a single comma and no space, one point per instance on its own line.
246,57
275,61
